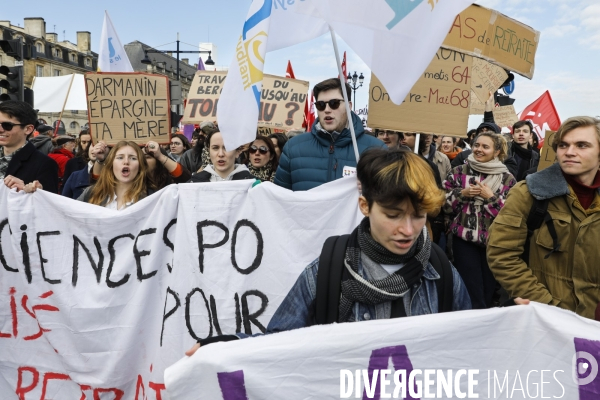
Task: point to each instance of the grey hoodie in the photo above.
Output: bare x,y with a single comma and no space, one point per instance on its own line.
43,143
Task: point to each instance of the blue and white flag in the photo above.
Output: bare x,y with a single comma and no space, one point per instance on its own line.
112,56
239,104
397,39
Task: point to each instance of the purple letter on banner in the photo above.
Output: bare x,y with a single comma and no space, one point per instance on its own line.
380,360
232,385
591,390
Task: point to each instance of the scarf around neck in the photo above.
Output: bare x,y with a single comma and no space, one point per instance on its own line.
355,288
264,173
494,170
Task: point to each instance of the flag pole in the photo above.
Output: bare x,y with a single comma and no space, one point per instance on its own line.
64,105
344,94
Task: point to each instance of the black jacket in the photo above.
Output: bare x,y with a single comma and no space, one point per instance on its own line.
28,164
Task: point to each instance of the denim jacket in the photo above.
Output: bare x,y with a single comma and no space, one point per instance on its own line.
298,308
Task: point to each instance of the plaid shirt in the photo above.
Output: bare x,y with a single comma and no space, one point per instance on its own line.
5,160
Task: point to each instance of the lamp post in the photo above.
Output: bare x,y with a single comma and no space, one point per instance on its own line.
147,61
352,79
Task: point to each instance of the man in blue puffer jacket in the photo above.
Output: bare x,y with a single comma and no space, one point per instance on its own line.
318,157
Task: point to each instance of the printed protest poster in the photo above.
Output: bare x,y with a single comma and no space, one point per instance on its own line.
97,303
439,103
487,78
128,106
281,106
547,154
488,34
505,116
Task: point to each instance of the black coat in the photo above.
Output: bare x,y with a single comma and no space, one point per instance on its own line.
28,164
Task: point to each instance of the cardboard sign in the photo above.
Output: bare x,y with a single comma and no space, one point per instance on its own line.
281,106
488,34
128,106
487,78
439,103
477,106
505,116
547,154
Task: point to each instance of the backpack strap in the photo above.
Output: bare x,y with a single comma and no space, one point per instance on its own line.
329,279
538,214
444,285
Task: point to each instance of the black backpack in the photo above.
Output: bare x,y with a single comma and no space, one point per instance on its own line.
537,215
331,269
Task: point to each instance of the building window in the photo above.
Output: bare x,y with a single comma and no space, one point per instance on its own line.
74,112
57,72
57,53
87,62
39,70
74,125
73,57
39,48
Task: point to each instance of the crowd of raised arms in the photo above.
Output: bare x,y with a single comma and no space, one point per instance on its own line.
475,206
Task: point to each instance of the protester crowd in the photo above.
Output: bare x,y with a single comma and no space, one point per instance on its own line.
463,223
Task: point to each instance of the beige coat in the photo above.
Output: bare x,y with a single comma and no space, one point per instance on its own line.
568,278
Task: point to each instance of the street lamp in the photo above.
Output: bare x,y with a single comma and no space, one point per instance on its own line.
352,81
147,61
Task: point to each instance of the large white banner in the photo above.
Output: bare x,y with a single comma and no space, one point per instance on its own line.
521,352
95,304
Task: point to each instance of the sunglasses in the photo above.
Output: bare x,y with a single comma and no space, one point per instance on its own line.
262,149
334,104
7,126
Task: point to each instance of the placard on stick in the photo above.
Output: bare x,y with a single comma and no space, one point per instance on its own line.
488,34
547,155
128,106
438,103
505,116
281,106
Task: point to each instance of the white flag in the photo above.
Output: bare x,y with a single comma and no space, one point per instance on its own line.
239,104
396,38
112,56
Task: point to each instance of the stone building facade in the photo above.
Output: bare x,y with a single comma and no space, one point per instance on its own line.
44,55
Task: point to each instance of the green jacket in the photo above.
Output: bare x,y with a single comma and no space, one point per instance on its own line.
570,277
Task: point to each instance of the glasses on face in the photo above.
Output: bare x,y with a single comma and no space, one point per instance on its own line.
385,133
7,126
334,104
262,149
176,144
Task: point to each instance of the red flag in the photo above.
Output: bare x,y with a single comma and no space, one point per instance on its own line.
543,116
289,72
309,113
344,68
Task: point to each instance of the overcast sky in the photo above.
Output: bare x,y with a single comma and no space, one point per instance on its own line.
567,59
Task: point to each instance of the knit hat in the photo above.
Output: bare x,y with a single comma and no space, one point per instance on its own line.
64,139
490,125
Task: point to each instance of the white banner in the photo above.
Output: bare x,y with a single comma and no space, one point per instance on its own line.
51,93
95,304
521,352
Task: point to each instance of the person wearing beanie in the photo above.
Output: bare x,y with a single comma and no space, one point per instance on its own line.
63,152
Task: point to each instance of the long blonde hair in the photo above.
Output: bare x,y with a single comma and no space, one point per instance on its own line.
105,187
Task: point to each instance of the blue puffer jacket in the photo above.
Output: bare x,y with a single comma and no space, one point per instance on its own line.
311,159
